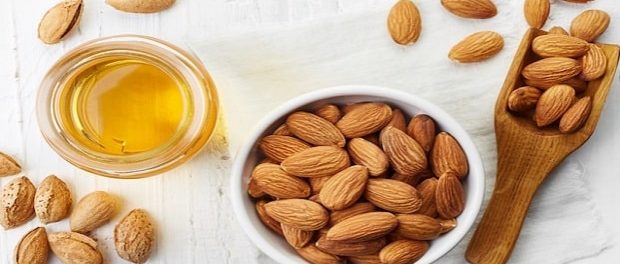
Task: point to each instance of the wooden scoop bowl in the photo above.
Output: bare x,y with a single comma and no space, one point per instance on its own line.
526,155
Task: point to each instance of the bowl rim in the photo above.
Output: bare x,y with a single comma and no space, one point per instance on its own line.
477,186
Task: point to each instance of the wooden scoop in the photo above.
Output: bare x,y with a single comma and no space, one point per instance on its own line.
526,155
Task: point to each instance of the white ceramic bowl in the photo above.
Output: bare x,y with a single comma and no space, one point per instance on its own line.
249,154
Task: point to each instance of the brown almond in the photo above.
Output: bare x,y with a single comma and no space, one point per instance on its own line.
317,162
329,112
555,45
408,179
471,8
52,200
266,219
523,98
418,227
60,20
477,47
344,248
72,247
92,211
422,129
536,12
32,248
447,155
279,148
282,130
17,202
272,180
589,25
134,236
363,227
366,153
406,155
345,188
578,1
8,165
403,252
317,183
404,22
558,30
576,115
447,224
553,103
297,238
315,256
254,190
298,213
356,209
594,63
365,259
365,119
393,196
554,69
314,129
140,6
398,120
449,196
427,190
577,83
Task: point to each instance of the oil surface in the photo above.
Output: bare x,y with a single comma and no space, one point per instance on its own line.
124,106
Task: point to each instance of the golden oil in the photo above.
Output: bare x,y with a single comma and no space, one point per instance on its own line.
124,106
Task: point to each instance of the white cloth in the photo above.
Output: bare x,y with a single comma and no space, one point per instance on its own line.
257,71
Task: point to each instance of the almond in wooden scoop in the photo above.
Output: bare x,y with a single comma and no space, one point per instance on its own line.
553,103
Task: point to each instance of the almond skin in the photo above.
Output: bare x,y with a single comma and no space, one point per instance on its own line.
345,188
314,255
406,155
314,129
366,153
279,148
554,69
8,165
404,22
594,63
576,115
427,190
589,25
554,45
558,30
32,248
422,129
317,162
140,6
393,196
272,180
449,196
418,227
298,213
403,252
72,247
553,103
52,201
297,238
17,202
134,236
471,8
344,248
447,155
92,211
363,227
365,119
356,209
536,12
266,219
330,113
477,47
523,98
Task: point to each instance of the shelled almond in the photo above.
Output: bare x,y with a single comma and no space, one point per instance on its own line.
362,182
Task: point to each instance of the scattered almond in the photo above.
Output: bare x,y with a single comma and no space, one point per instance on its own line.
404,22
72,247
363,227
536,12
297,238
92,211
52,200
140,6
554,69
329,112
17,204
316,162
422,129
447,155
553,103
345,188
60,20
594,63
32,248
523,98
365,153
298,213
471,8
134,236
576,115
477,47
393,196
555,45
589,25
403,252
8,166
272,180
449,196
314,129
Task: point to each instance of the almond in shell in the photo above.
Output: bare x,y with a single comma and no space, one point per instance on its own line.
134,236
32,248
317,162
140,6
314,129
365,119
403,251
393,196
345,188
72,247
297,238
422,129
92,211
315,256
470,8
272,180
404,22
52,201
536,12
555,45
576,115
552,70
589,25
60,20
356,209
363,227
523,98
17,202
366,153
8,165
418,227
477,47
449,196
406,155
298,213
553,103
330,113
594,63
447,155
344,248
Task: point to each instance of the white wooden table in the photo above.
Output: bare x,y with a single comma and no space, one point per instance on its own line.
190,204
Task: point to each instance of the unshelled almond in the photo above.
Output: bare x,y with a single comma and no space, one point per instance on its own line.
298,213
422,129
447,224
279,148
317,183
266,219
558,30
356,209
477,47
406,155
393,196
314,129
17,202
594,63
404,22
427,190
314,255
330,113
365,259
398,120
254,190
365,119
447,155
134,236
32,248
418,227
282,130
553,103
411,179
366,153
523,98
272,180
554,69
8,165
297,238
317,162
52,200
344,248
403,251
536,12
363,227
60,20
345,188
555,45
576,115
471,8
449,196
140,6
92,211
589,25
72,247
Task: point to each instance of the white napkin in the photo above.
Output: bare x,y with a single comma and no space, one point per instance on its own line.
257,71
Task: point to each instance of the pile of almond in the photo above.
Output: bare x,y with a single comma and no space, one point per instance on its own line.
566,64
359,183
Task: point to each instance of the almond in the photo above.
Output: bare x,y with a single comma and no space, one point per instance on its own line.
555,45
404,22
422,129
589,25
349,107
17,204
427,190
363,227
317,183
536,12
272,180
393,196
449,196
317,162
554,69
266,219
408,179
366,153
329,112
356,209
72,247
578,1
52,201
447,155
418,227
553,103
92,211
447,225
523,98
254,190
345,188
406,155
279,148
344,248
140,6
134,236
365,259
470,8
314,129
282,130
8,166
398,120
594,63
32,248
365,119
60,20
576,115
558,30
297,238
298,213
373,138
403,252
314,255
477,47
577,83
